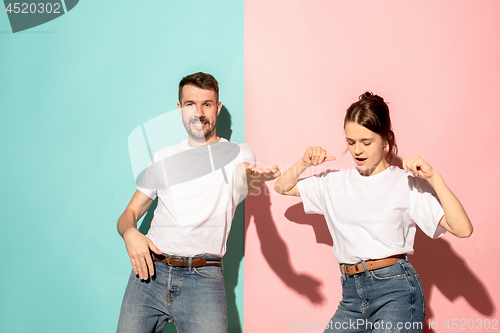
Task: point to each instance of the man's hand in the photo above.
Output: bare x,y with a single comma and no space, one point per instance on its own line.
138,248
257,176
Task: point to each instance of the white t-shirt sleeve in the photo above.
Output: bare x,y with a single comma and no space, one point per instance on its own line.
146,182
147,191
247,155
311,192
425,208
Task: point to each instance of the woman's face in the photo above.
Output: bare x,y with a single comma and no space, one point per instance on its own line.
366,148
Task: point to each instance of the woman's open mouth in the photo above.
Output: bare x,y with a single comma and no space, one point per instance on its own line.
360,160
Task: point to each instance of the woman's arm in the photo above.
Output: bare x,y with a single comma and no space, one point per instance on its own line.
455,219
286,184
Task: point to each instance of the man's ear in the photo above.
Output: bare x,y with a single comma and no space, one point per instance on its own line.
219,107
179,107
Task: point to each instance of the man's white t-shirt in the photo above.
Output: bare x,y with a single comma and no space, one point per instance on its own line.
372,217
196,196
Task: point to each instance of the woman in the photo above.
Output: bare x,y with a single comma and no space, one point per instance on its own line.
372,213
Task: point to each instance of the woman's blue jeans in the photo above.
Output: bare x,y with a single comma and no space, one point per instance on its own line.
388,299
193,298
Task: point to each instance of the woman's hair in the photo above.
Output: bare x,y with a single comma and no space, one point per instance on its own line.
372,112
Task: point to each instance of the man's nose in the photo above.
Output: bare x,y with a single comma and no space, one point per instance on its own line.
199,110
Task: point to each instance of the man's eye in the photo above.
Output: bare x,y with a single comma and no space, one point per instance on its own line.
208,105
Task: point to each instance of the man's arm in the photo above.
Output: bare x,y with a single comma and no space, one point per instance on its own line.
138,246
249,179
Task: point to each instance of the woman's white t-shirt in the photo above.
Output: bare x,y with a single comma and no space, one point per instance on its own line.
372,217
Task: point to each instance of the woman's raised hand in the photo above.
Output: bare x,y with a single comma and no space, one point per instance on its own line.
316,156
418,167
455,219
286,184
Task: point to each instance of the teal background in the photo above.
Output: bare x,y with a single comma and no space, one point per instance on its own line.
71,92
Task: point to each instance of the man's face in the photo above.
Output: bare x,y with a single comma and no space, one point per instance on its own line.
199,109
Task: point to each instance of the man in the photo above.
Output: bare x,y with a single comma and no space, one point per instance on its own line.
177,271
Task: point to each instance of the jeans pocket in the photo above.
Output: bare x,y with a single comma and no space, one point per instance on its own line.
389,273
210,272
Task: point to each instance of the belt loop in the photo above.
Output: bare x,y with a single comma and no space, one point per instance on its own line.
366,269
342,269
190,262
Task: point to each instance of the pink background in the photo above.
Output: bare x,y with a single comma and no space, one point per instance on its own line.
437,63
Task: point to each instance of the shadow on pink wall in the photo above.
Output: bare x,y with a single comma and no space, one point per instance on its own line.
275,250
440,266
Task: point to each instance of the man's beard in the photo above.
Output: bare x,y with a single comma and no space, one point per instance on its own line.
199,135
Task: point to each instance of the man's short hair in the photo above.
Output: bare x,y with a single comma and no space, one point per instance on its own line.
202,81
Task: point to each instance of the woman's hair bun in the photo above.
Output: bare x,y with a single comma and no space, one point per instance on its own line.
370,95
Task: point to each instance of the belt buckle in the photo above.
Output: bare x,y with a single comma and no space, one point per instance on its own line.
347,271
168,260
173,264
356,268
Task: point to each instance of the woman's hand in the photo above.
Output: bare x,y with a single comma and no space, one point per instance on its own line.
286,184
316,156
455,219
418,167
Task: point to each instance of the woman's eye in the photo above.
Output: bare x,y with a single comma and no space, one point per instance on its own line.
367,144
350,143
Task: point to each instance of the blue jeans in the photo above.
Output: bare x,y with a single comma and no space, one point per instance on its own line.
193,298
388,299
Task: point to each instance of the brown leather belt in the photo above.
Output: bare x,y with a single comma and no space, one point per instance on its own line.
183,262
370,264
